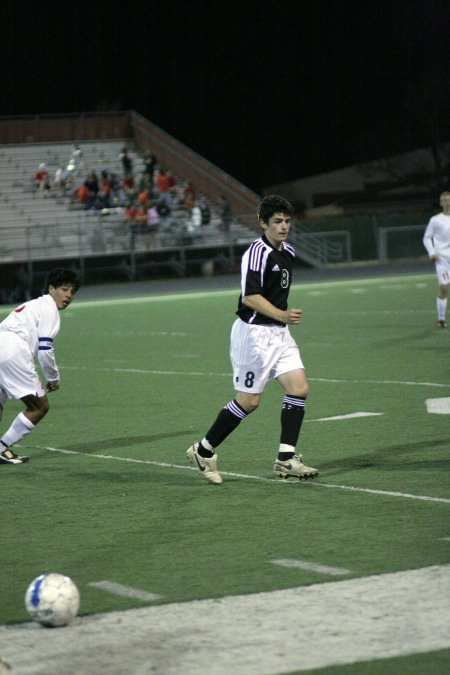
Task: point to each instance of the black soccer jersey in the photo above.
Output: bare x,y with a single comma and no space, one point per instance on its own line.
267,272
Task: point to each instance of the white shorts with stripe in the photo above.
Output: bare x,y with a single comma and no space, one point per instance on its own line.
443,272
261,353
18,376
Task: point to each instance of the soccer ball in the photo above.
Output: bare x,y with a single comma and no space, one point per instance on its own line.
52,599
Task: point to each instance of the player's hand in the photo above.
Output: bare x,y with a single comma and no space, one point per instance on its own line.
293,315
52,386
434,257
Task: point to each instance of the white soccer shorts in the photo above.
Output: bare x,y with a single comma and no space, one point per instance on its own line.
261,353
18,376
443,273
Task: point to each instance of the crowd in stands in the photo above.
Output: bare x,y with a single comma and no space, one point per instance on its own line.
147,197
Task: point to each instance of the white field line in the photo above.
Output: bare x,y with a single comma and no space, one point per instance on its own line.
124,591
194,373
385,283
382,282
438,406
272,481
311,566
348,416
340,622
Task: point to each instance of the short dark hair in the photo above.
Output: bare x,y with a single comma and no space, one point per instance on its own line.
62,277
273,204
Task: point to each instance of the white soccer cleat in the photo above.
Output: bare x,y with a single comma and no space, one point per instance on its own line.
294,467
10,457
206,465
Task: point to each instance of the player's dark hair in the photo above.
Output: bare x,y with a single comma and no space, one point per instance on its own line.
62,277
273,204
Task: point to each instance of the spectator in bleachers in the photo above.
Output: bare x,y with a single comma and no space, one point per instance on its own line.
144,198
163,182
150,164
205,211
86,192
42,178
188,196
60,178
127,162
83,194
136,217
91,182
196,217
75,164
145,188
129,187
153,219
104,192
115,190
153,222
162,208
225,213
130,213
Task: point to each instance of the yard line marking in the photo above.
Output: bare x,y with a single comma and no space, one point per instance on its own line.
273,481
406,382
444,539
345,417
438,406
124,591
388,493
305,286
142,371
177,373
301,286
311,566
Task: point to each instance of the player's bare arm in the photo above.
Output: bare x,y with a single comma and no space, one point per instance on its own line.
260,304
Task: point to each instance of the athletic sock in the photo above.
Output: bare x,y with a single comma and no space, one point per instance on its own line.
20,427
441,308
292,414
226,421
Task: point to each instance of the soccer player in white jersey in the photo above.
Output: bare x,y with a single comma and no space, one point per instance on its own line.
27,333
262,347
437,242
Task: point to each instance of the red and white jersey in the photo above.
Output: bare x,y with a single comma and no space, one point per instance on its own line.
37,322
437,237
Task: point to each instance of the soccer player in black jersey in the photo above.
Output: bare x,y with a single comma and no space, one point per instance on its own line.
262,347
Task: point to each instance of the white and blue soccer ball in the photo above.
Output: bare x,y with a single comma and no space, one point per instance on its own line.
52,599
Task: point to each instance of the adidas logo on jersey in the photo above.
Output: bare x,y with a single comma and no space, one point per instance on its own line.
275,268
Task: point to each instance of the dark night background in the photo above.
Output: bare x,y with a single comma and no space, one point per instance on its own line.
268,90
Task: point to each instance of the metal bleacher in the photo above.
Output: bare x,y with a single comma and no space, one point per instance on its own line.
50,226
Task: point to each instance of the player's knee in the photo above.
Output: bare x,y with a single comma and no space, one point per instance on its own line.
249,402
301,390
251,406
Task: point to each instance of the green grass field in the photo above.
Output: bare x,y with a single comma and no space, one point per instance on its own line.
108,494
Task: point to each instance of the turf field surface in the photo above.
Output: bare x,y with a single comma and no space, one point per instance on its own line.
108,496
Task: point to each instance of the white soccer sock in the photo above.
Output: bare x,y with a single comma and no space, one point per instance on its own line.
286,448
441,308
20,427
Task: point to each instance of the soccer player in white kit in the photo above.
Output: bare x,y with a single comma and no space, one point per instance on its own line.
27,333
262,348
437,242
